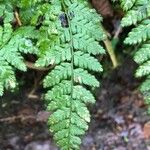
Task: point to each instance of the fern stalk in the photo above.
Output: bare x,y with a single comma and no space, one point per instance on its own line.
72,70
111,52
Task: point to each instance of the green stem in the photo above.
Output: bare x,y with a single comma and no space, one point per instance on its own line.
72,70
111,52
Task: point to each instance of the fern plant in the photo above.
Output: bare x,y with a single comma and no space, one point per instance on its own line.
138,14
13,43
64,34
71,32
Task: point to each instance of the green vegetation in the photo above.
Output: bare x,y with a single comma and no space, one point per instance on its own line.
138,13
64,36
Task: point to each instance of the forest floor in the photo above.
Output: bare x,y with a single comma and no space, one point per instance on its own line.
119,119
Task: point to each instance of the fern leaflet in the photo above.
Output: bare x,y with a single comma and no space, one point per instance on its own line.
139,15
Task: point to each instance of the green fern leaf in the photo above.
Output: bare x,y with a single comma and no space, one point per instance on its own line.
143,54
1,89
14,41
14,44
82,60
127,4
145,89
60,72
72,33
143,70
7,76
139,34
54,55
64,88
146,85
63,71
135,16
83,77
140,11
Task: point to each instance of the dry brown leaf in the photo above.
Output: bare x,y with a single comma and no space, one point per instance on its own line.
146,130
103,7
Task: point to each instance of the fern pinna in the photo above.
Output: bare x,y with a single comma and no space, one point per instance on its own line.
64,34
70,36
13,42
138,14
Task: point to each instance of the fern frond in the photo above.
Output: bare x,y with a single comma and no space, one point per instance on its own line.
14,41
143,54
7,76
6,11
140,35
145,89
77,127
127,4
27,3
143,70
140,11
72,33
1,89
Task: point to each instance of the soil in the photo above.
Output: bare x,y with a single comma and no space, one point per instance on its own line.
119,119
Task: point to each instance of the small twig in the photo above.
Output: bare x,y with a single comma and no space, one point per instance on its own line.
31,65
118,31
111,52
41,116
18,19
32,94
19,117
